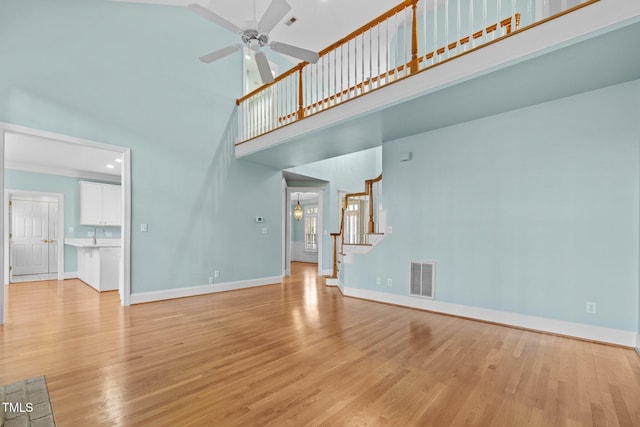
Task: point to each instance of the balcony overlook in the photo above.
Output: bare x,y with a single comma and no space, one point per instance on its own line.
429,64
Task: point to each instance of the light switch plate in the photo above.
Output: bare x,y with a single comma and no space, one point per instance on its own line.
144,227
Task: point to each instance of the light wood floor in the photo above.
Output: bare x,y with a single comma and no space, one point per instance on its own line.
299,353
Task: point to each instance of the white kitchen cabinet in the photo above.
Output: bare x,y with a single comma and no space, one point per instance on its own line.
100,204
98,265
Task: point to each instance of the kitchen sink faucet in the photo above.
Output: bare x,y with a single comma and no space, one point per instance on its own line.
95,232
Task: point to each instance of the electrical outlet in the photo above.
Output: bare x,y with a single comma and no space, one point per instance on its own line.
591,307
211,280
216,274
389,282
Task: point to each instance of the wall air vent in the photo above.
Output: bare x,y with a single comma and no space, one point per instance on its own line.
423,279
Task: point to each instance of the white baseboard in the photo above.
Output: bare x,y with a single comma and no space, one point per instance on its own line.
638,344
577,330
331,282
142,297
327,272
70,275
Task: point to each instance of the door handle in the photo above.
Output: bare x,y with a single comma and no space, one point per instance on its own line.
52,241
45,241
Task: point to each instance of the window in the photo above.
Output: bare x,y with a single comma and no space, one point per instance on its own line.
354,222
311,228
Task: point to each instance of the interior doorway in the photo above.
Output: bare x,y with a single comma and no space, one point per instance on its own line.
304,238
35,249
65,142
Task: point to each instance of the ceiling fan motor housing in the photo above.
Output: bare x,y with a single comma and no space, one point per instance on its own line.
254,39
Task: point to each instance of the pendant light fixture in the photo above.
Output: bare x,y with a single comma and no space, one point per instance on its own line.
297,211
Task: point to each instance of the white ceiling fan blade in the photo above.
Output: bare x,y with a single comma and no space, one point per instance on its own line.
274,14
263,67
214,56
209,15
297,52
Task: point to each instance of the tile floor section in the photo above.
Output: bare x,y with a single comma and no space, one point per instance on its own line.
26,404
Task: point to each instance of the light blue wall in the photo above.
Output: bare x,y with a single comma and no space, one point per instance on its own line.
70,188
127,74
346,173
534,211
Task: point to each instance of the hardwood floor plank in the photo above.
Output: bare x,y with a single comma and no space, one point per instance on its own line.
299,353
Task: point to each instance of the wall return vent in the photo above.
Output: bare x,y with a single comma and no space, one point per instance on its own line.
423,279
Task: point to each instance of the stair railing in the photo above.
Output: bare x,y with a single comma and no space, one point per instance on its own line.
358,213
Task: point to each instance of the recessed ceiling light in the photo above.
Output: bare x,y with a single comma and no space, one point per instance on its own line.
118,160
110,166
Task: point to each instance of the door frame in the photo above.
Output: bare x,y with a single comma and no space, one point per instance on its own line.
286,230
125,282
7,228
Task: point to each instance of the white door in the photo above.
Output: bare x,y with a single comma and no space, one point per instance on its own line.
53,237
29,237
34,238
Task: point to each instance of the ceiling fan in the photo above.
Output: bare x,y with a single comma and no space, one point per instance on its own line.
255,35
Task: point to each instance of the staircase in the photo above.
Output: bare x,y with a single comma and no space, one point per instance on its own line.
360,226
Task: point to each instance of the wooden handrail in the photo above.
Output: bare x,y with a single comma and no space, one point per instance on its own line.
371,225
282,76
413,64
363,29
366,27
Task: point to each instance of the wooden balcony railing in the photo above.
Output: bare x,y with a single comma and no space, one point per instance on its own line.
409,38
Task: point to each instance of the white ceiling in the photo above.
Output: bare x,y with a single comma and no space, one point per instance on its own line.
319,22
304,197
37,154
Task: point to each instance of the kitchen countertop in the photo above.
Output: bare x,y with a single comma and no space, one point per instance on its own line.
88,243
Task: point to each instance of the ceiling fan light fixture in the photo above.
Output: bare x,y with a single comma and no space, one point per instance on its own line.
255,35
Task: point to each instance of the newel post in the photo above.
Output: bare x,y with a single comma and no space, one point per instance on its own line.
372,225
300,96
335,255
414,37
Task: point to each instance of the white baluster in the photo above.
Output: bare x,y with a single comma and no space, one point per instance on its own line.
458,23
484,20
404,41
435,31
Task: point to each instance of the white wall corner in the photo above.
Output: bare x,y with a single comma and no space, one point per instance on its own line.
142,297
560,327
